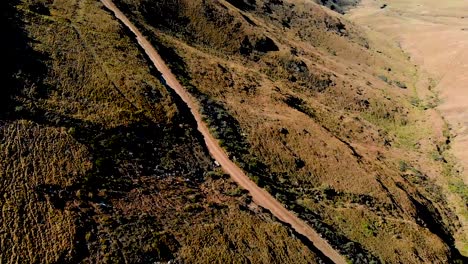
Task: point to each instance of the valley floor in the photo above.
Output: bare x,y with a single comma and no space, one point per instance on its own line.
435,36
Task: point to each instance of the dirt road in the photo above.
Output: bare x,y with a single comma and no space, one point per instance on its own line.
260,196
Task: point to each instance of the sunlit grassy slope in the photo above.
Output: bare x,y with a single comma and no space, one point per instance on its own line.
319,112
100,163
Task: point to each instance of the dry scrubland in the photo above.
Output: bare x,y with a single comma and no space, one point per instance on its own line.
99,163
434,35
322,114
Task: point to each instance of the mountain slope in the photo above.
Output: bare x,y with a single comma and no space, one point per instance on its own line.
100,163
319,113
260,196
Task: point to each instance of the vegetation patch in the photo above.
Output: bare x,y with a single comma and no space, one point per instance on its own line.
98,157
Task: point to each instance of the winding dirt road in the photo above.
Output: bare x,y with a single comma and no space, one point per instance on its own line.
260,196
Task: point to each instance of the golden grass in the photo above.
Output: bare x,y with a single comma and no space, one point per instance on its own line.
33,155
346,133
98,163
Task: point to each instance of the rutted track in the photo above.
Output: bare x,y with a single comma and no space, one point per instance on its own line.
260,196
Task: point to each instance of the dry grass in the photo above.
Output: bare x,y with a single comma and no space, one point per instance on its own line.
99,163
325,119
29,222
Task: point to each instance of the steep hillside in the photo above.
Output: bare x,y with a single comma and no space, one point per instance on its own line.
340,6
444,59
320,113
100,163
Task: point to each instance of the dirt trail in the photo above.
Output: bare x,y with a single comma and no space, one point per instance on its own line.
260,196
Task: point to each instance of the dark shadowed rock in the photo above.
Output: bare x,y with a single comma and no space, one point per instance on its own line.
265,45
244,5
